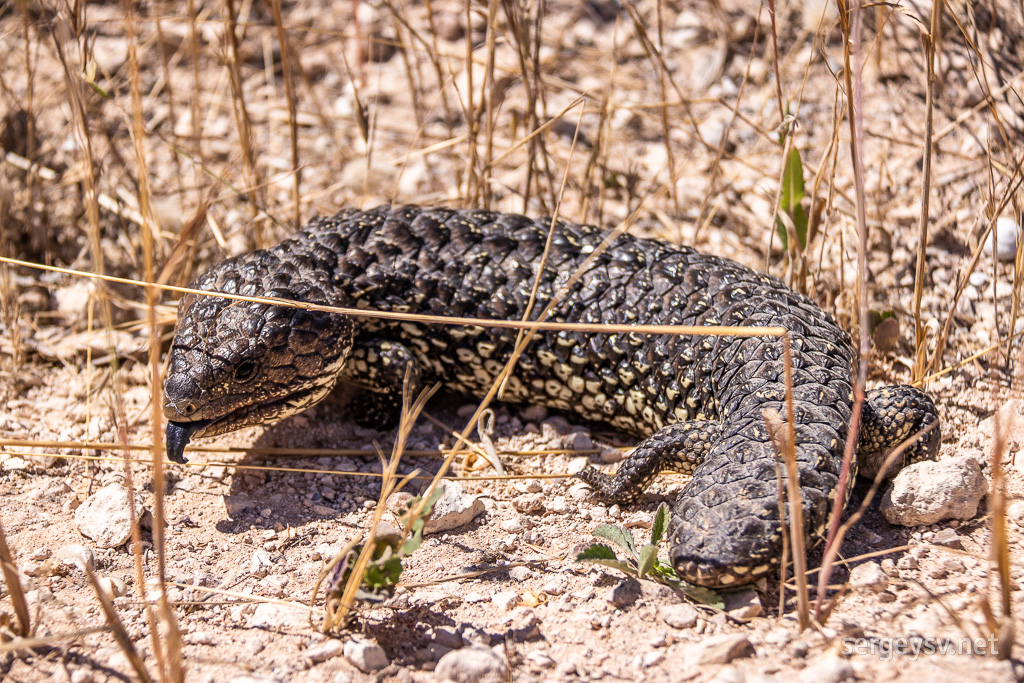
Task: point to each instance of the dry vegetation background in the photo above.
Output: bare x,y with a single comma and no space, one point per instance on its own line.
145,142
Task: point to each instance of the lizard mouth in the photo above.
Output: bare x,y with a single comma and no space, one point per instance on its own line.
179,433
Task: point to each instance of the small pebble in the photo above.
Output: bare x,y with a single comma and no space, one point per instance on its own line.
653,658
106,516
683,615
328,649
1007,234
541,660
869,575
366,655
947,537
520,573
474,664
512,526
79,556
505,600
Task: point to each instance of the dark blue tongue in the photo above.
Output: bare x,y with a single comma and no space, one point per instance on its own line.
178,434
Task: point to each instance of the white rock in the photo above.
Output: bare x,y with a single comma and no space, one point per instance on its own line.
558,505
112,586
579,491
261,562
474,664
1007,233
105,516
541,660
79,556
512,526
328,649
520,573
827,669
366,655
743,605
505,600
869,575
683,615
14,464
653,658
272,615
453,509
932,491
720,649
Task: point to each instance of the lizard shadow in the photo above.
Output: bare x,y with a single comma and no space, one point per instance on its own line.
321,465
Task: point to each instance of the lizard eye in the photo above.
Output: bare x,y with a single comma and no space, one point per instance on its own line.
245,371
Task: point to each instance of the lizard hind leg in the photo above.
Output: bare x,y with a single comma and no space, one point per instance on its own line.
891,416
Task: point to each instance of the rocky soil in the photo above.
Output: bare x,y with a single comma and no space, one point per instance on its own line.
496,593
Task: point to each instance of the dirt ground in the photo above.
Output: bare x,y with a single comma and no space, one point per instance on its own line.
667,112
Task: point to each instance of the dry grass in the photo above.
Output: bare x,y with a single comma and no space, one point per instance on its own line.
250,123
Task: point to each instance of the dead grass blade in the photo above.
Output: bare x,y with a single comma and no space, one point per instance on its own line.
1000,624
931,46
338,614
243,122
834,542
14,587
118,630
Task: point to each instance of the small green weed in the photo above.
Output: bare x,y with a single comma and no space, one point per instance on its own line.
644,563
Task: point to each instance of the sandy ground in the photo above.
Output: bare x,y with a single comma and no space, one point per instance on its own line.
260,524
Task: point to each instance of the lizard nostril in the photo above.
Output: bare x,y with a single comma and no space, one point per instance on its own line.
189,408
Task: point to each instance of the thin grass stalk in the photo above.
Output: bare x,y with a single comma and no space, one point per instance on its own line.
167,655
796,510
1002,626
75,88
489,93
940,343
771,422
775,58
389,484
293,127
850,20
413,75
538,101
528,311
274,452
834,542
9,306
50,640
118,630
243,122
663,110
931,41
14,588
196,124
172,105
472,122
519,29
433,52
539,325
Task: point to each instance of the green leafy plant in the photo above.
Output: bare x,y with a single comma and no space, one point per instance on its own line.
382,573
643,563
791,207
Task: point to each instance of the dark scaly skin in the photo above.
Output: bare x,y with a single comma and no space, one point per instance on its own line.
697,400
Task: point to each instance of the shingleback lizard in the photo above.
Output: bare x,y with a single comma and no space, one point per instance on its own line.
698,401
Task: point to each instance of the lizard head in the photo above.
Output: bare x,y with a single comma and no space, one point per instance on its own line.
237,363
